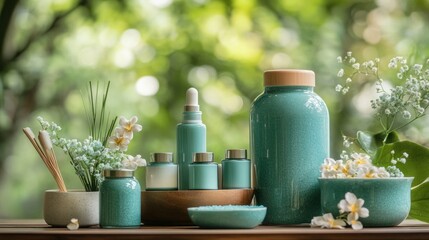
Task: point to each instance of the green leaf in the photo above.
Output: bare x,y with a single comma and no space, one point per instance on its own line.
371,142
367,143
420,202
417,164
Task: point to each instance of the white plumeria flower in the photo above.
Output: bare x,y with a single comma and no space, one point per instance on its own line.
361,159
119,141
327,221
368,172
383,173
130,126
73,225
131,162
353,205
356,225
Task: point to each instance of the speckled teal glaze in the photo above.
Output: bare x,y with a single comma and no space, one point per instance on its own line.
235,173
387,199
289,134
120,203
191,138
231,216
203,176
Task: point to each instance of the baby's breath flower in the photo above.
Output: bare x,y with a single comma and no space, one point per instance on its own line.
338,88
356,66
406,114
340,73
339,59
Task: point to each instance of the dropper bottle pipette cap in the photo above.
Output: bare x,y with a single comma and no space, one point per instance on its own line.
192,100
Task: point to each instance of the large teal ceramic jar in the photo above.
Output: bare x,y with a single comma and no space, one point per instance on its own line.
120,200
289,134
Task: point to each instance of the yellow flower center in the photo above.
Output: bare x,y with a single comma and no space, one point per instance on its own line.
128,127
354,208
119,140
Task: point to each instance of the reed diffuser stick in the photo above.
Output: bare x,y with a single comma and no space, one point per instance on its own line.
47,154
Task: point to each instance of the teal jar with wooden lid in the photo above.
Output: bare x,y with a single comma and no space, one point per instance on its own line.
120,201
289,134
203,172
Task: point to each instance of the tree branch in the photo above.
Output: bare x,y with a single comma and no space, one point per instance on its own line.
5,17
37,35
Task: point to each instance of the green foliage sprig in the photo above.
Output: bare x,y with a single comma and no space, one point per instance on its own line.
100,125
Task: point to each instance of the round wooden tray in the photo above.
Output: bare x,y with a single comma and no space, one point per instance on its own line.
171,207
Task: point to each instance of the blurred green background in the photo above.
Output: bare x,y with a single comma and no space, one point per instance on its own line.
153,50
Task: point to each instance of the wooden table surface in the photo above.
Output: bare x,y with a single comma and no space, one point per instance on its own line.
37,229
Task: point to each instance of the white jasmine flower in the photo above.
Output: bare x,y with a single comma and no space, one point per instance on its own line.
356,225
353,205
367,172
352,60
405,154
383,173
361,159
349,54
356,66
327,221
130,126
131,162
119,141
348,80
340,73
339,59
393,161
73,225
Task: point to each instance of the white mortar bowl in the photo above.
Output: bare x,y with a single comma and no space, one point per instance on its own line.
60,207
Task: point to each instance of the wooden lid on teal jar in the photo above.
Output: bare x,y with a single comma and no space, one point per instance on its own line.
203,157
162,157
236,154
118,173
289,77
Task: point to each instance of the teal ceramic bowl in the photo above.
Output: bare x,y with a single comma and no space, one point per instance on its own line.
387,199
230,216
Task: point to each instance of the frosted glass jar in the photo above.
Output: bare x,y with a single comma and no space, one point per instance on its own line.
161,173
289,133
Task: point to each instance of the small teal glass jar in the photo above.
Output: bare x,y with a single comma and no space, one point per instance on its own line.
161,173
289,134
203,172
236,169
120,204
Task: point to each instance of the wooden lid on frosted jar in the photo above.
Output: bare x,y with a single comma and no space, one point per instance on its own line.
289,77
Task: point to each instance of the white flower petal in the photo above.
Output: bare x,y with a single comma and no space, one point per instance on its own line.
364,212
357,225
123,121
342,206
133,120
351,198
